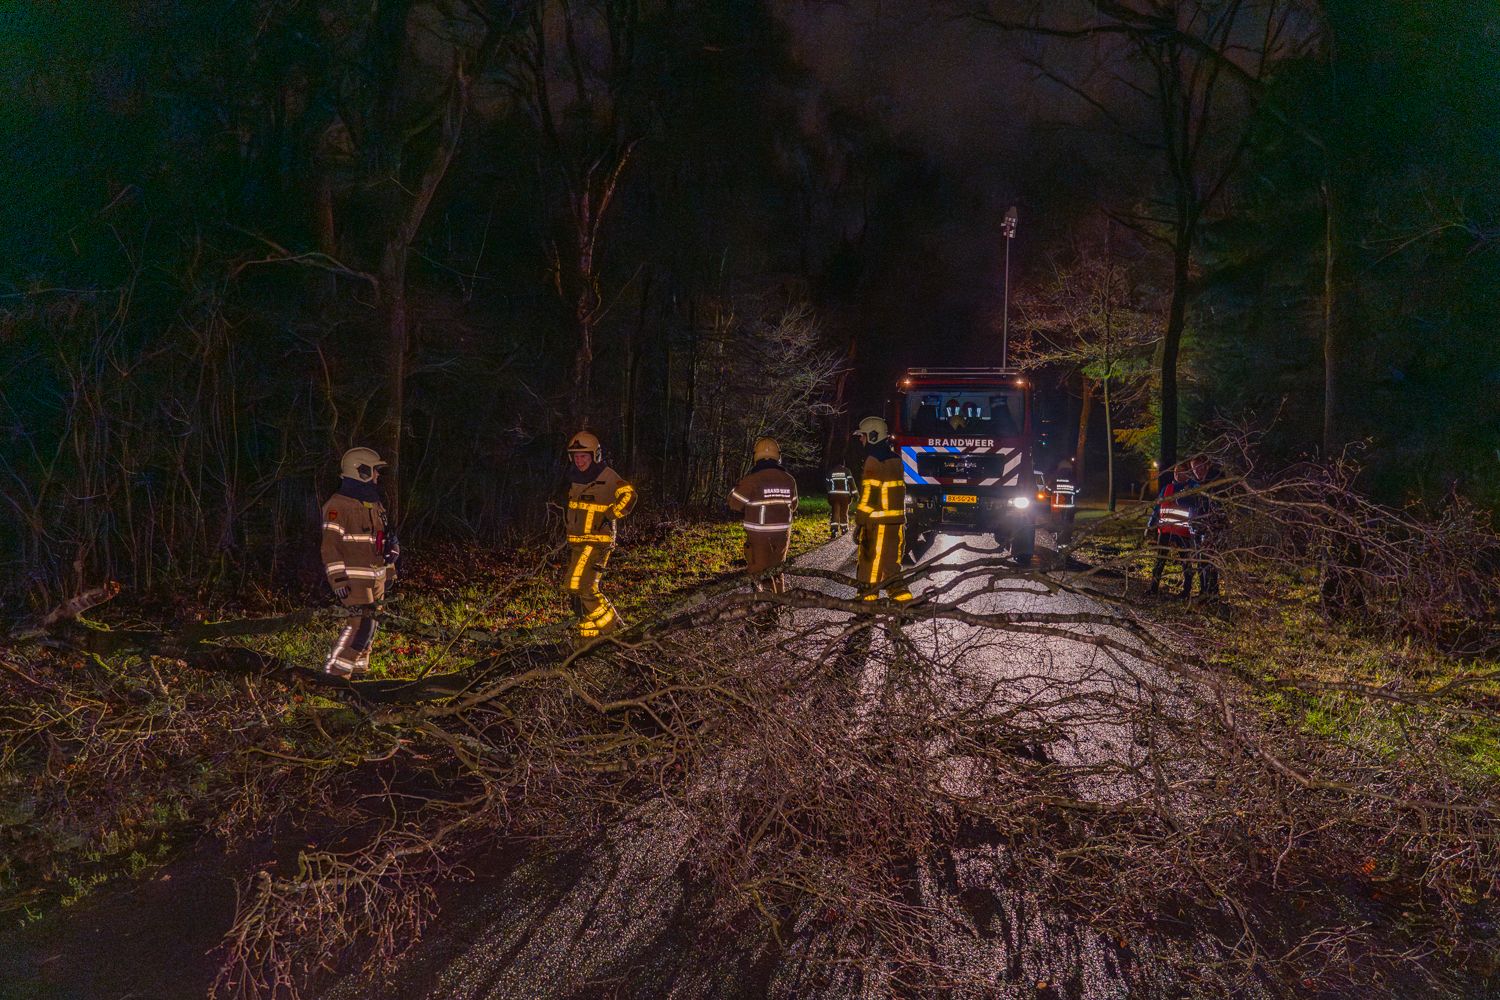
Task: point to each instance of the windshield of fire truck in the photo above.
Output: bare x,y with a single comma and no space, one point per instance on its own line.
989,412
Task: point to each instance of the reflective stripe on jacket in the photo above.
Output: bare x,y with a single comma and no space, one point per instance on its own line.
767,497
594,507
353,548
1064,493
882,497
841,483
1174,517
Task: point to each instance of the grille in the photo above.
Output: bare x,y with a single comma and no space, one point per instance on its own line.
948,465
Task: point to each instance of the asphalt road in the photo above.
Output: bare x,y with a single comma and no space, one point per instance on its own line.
622,918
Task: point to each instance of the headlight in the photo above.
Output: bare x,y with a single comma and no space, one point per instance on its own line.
1020,503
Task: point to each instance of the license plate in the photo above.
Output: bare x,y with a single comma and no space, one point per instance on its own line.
960,498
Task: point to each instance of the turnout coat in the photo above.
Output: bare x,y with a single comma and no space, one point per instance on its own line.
354,547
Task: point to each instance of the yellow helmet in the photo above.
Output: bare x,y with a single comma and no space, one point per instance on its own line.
767,448
586,442
360,464
874,430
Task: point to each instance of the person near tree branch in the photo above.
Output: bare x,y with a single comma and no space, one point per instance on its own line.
1209,522
598,498
767,499
1172,520
359,552
881,514
841,490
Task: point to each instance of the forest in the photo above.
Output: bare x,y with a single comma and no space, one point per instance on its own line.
241,237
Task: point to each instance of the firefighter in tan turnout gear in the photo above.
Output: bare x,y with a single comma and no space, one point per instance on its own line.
841,490
597,498
881,514
767,497
359,556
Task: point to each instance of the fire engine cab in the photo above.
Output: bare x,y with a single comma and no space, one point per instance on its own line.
965,437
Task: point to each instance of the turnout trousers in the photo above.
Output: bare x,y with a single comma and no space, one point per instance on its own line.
765,550
838,513
351,653
596,616
880,547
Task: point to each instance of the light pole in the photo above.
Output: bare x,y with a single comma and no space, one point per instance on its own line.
1010,234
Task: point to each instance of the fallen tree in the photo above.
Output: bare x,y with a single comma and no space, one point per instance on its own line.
857,778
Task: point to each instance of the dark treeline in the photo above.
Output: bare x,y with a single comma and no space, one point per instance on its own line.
241,237
1309,244
1350,285
1302,221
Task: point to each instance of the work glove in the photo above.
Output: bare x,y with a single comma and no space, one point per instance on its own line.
341,592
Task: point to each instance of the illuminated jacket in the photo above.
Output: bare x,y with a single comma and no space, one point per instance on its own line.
882,496
767,497
1173,515
841,482
597,499
354,548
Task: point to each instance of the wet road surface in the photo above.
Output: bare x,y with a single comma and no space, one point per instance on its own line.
622,919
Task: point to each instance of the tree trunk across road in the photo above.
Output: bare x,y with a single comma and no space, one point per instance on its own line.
624,918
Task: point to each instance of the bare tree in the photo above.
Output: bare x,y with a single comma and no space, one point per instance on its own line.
1091,319
1177,79
760,370
401,81
577,73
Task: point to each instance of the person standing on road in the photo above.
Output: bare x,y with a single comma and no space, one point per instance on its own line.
1208,523
1064,501
1172,520
598,498
881,514
841,492
359,557
767,498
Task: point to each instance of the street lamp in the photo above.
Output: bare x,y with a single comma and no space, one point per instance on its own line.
1010,234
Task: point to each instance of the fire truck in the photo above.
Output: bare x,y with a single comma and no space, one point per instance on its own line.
966,441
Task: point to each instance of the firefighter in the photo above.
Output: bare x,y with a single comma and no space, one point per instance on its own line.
597,499
767,498
1064,501
1172,520
881,514
359,556
841,492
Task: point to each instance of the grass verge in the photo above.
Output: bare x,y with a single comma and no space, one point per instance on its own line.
108,762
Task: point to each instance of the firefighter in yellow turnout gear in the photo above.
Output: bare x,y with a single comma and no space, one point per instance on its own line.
359,556
767,497
881,513
597,499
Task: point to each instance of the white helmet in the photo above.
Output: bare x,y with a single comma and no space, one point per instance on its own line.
360,464
874,430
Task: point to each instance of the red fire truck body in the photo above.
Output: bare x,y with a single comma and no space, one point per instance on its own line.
966,442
